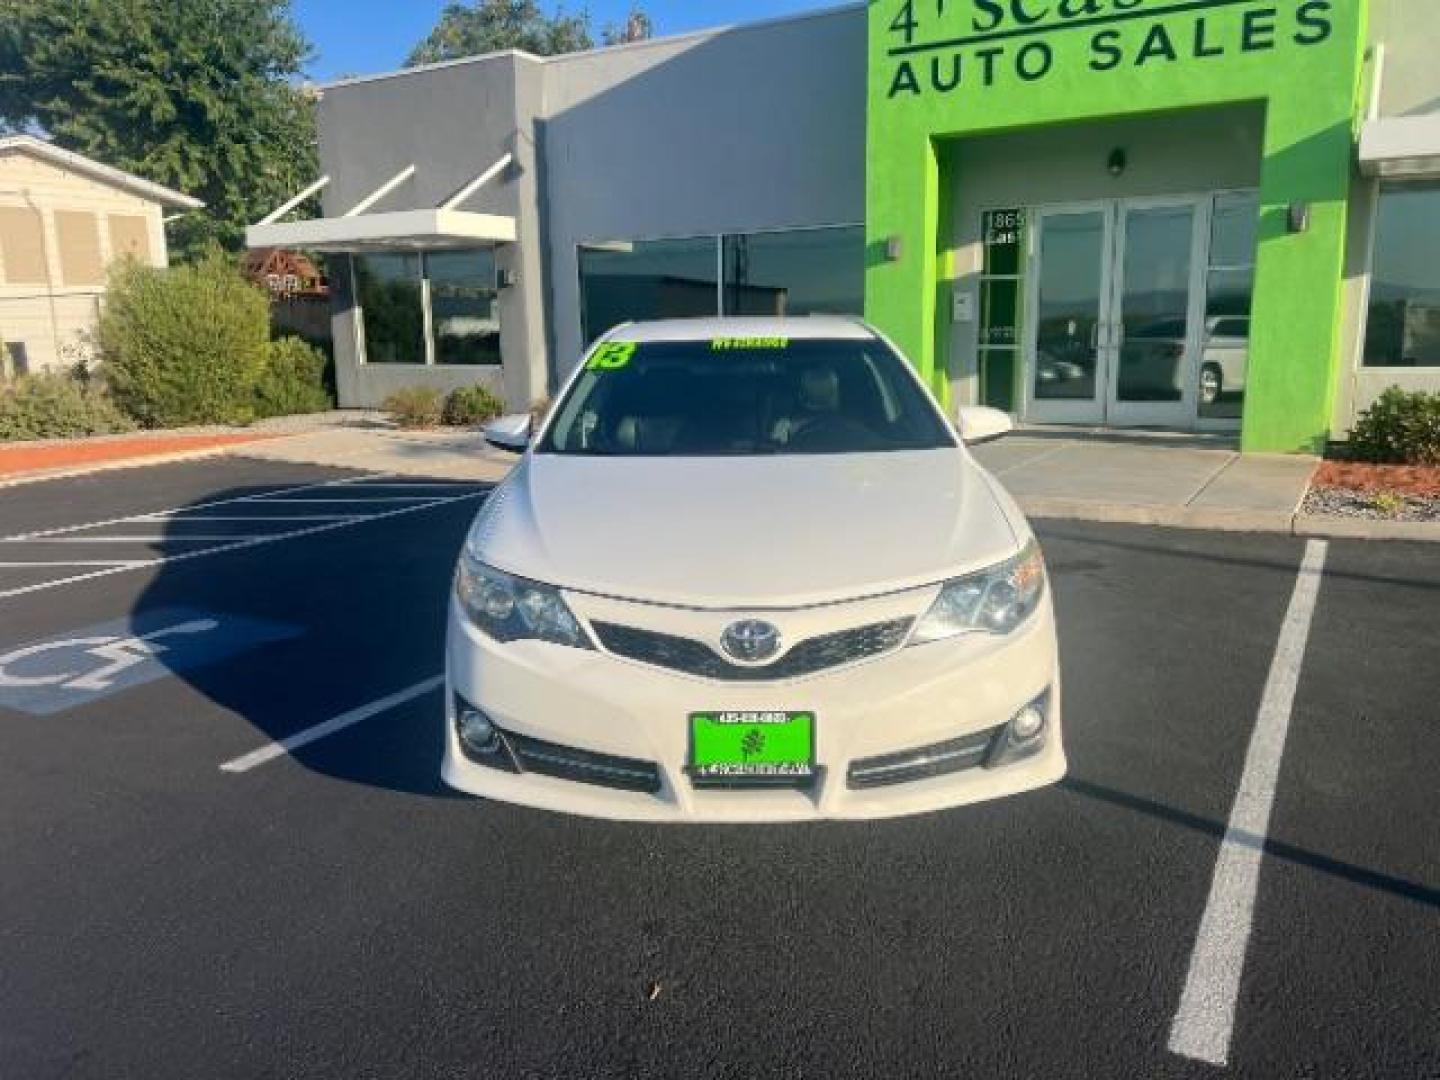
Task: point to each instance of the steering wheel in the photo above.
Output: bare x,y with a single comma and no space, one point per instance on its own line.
832,431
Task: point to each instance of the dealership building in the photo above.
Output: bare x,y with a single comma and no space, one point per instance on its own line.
1205,215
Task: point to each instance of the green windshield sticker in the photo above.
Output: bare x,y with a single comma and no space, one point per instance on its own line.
728,344
612,356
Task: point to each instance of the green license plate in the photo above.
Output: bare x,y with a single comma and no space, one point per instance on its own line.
726,747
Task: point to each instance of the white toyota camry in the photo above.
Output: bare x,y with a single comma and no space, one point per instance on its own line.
747,570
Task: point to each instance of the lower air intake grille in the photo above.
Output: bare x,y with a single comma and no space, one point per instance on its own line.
938,759
582,766
808,657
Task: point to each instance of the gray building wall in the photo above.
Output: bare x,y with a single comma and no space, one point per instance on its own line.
756,127
1409,30
452,121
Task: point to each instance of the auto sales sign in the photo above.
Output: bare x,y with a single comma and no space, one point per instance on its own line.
950,47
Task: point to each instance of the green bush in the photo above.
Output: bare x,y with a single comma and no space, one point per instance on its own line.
414,406
1401,428
470,406
186,345
54,406
293,380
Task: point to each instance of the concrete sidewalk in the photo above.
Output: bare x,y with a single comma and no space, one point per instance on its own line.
1196,482
1200,482
451,455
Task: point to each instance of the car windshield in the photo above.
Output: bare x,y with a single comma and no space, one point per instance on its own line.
739,396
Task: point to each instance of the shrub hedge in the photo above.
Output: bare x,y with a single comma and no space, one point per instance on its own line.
292,380
414,406
1402,428
470,406
187,345
55,406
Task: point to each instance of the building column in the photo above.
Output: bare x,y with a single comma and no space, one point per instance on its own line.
1295,361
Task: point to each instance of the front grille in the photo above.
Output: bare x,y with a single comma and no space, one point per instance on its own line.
808,657
938,759
582,766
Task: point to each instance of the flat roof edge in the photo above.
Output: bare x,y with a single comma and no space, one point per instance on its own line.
629,46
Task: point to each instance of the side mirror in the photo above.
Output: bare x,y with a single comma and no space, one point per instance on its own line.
510,433
981,425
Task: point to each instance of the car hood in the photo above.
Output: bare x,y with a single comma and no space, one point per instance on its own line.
738,532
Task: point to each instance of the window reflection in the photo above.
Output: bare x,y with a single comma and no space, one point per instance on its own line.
623,281
799,272
1230,286
1404,318
1068,314
1155,305
464,307
392,307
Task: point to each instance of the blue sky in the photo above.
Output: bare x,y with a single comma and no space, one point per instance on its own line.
361,37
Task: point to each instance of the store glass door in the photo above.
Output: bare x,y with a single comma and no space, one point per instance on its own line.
1116,293
1069,305
1156,284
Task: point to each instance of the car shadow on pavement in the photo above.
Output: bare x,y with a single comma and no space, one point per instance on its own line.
319,616
1359,875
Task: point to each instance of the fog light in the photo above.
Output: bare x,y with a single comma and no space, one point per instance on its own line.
1029,724
1024,736
477,732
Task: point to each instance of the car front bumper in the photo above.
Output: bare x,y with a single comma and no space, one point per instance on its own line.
591,701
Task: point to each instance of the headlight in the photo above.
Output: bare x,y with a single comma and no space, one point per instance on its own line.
512,609
995,601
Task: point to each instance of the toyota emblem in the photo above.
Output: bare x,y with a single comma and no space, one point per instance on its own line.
751,641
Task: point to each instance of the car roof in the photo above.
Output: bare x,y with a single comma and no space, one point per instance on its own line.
808,327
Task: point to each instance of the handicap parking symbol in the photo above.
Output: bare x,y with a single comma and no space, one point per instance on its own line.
47,677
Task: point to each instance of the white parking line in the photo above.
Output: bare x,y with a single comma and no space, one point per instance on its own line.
164,538
354,499
48,563
256,758
153,518
222,549
64,529
1205,1021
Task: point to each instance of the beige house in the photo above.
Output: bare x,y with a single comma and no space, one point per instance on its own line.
63,219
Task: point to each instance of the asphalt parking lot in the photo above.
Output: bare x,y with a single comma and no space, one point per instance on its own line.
226,851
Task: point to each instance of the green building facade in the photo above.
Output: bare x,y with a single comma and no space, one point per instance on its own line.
1126,303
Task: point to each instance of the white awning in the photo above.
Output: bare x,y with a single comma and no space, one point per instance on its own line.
399,230
1401,146
357,229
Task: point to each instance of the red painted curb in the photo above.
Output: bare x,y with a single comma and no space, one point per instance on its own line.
18,460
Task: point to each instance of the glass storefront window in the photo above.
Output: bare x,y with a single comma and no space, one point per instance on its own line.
798,272
1001,281
464,307
624,281
392,304
780,273
1404,318
1230,287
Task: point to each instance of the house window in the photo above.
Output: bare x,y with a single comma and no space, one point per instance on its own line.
1404,319
22,246
130,237
77,234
